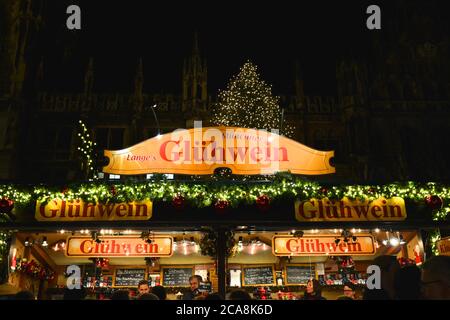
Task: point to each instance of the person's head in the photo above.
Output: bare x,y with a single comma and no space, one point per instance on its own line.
240,295
194,282
160,291
213,296
148,296
313,287
388,267
74,294
407,283
24,295
143,287
121,295
436,278
349,290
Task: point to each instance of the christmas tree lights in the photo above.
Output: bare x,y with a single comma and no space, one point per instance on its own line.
248,103
86,150
202,194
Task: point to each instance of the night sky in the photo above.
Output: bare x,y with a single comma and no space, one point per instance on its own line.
272,34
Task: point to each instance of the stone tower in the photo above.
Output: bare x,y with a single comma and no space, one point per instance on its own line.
21,21
352,82
194,83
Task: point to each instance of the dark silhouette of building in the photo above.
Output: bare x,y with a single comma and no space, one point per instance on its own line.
389,120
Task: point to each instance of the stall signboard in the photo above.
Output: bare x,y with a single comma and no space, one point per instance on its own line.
299,274
120,246
58,210
443,246
201,151
322,245
176,276
326,210
258,275
128,277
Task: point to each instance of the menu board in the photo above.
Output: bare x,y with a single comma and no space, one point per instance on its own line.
299,274
258,276
176,276
128,277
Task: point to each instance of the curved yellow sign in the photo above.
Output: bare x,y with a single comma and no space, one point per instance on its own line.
201,151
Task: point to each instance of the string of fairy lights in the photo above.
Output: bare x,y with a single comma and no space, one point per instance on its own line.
202,194
86,150
248,103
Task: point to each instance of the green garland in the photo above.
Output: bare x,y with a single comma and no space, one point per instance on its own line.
208,243
202,194
5,243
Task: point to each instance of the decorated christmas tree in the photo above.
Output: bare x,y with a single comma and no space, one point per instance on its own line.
248,103
86,149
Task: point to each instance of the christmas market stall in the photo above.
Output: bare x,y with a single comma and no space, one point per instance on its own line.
238,207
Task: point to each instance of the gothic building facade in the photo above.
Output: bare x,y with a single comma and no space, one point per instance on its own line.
389,120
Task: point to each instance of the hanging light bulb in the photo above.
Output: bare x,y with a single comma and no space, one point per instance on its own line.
386,241
400,238
394,242
44,242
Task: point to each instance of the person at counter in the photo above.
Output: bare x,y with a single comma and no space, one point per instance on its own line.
388,267
350,290
313,291
160,291
194,282
143,287
436,278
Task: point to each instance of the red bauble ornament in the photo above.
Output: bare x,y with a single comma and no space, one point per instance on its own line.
263,202
64,190
221,205
104,263
178,201
324,191
6,205
434,202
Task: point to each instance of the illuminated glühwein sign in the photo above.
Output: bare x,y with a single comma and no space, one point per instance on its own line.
443,246
77,210
320,245
202,150
120,246
321,210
